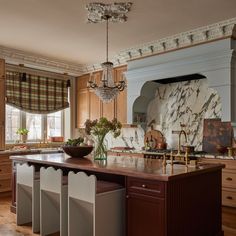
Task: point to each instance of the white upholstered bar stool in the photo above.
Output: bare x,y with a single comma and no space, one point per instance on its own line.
53,202
27,196
95,208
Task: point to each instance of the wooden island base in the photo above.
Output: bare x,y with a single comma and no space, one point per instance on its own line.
171,201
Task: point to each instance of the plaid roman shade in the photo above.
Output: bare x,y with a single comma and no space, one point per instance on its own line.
36,94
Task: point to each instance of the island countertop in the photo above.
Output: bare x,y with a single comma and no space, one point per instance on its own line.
122,165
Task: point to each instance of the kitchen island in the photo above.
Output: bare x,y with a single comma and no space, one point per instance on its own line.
160,200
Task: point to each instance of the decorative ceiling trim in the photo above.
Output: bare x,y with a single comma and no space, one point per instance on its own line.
116,11
15,57
205,34
200,35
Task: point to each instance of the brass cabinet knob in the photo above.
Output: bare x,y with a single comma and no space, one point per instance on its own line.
144,186
229,197
229,179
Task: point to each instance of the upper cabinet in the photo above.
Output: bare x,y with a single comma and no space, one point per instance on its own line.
89,106
2,104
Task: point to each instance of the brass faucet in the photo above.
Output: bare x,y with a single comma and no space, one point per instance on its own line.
179,142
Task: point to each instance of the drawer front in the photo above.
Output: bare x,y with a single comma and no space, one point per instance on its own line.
5,185
229,198
228,179
5,168
146,187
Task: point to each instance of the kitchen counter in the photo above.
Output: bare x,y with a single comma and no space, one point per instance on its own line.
30,151
167,152
123,165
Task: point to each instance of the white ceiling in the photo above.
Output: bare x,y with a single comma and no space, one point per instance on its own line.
58,28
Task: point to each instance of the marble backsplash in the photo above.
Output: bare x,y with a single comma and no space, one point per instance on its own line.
188,103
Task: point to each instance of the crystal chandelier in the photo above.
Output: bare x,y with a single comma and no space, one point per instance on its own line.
107,90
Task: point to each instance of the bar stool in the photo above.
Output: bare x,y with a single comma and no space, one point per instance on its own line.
53,202
27,196
95,208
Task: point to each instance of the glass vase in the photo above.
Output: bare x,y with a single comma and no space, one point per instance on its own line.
100,149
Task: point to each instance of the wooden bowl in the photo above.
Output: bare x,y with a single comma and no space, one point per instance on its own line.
221,149
77,151
161,145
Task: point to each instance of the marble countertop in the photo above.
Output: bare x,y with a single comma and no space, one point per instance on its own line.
160,152
122,165
29,151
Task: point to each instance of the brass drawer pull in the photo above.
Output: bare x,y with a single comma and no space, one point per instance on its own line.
229,197
144,185
229,179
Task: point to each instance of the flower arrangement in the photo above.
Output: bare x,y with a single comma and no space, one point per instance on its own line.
22,131
98,129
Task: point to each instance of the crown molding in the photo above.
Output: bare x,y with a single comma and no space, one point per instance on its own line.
15,57
190,38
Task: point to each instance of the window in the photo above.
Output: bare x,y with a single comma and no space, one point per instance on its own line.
54,124
12,123
40,127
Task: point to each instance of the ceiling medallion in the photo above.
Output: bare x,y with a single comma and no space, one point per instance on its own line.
107,90
117,11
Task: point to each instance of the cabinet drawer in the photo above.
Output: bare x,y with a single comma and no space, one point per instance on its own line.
5,168
146,187
228,179
5,185
229,198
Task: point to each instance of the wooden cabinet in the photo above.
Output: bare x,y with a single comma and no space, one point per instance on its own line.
121,100
145,207
228,195
2,104
90,106
5,173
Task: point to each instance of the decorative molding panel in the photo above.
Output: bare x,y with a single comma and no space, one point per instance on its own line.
117,11
200,35
14,56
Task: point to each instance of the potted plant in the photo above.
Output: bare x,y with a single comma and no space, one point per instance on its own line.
23,132
98,129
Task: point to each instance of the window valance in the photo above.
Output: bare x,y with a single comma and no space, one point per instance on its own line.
36,94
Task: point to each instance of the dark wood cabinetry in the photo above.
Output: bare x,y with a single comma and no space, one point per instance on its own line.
145,207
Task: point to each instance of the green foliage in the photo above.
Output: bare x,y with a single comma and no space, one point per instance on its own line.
102,126
22,131
75,142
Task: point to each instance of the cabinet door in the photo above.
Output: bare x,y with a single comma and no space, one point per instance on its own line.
145,216
108,110
94,106
82,107
121,100
2,104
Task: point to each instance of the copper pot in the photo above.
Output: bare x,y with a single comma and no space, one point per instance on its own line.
161,145
221,149
189,149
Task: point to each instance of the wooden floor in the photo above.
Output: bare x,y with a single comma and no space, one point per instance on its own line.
8,225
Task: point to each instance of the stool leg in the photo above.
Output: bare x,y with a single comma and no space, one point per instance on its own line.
49,213
36,207
64,212
24,204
